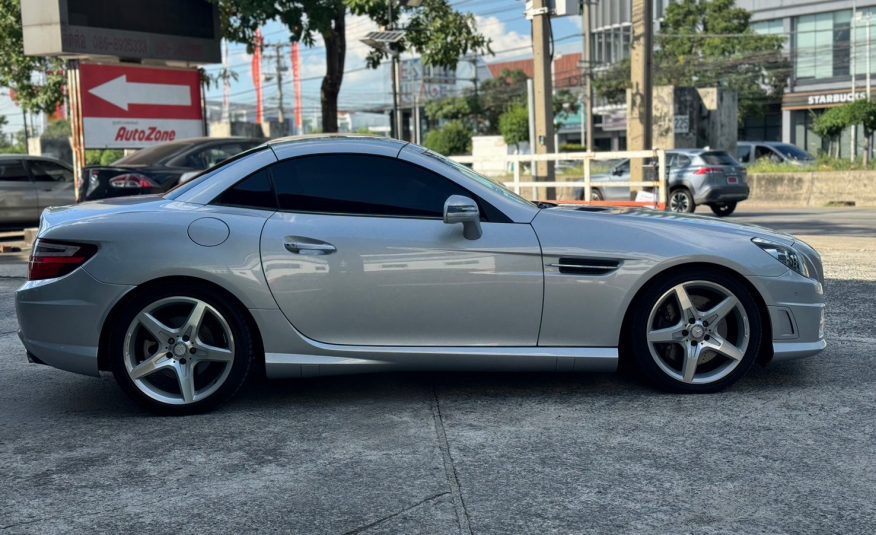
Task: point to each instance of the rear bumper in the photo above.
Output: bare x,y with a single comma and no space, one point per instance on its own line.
722,193
61,319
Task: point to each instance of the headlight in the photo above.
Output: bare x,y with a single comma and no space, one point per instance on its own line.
785,255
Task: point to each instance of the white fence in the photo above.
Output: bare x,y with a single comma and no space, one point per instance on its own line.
587,158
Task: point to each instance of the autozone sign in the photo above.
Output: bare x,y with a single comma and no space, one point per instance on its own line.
132,107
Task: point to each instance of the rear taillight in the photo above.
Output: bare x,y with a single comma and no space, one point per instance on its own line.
52,259
707,170
132,181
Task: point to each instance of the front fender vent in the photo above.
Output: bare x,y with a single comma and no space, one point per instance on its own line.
586,266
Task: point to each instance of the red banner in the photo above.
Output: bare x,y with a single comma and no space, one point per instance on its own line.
257,76
296,78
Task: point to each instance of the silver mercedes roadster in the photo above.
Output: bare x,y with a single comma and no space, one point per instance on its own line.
315,256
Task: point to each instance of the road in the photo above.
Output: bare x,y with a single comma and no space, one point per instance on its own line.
790,449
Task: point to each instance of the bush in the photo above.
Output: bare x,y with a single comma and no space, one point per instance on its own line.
514,125
451,139
102,157
572,147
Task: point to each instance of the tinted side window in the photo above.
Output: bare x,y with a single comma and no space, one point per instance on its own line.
743,152
717,158
13,171
254,191
363,185
49,172
681,161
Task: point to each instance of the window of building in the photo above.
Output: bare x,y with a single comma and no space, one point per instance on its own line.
769,27
858,32
823,45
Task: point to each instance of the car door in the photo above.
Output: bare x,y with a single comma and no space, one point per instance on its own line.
359,254
53,182
619,173
18,197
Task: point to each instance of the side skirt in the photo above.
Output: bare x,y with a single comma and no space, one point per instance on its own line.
343,359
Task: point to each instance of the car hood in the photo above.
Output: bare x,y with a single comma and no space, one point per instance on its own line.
675,222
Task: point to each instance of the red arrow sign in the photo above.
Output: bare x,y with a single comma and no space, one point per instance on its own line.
131,106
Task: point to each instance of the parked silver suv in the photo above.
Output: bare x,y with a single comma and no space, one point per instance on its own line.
695,176
28,184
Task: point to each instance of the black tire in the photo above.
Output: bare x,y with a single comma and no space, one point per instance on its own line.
596,195
723,209
681,201
244,346
636,351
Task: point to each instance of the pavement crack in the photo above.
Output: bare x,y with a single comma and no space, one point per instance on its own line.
366,527
462,518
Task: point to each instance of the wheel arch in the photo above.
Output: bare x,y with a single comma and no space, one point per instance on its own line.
106,330
766,349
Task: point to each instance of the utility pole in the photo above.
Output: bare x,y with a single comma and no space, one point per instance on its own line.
639,111
587,64
281,117
854,144
544,120
396,112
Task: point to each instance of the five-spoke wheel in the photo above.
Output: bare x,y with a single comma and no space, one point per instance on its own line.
181,350
696,332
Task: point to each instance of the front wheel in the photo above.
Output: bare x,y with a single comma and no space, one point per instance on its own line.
181,350
723,209
697,331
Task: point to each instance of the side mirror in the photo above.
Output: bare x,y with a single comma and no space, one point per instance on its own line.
460,209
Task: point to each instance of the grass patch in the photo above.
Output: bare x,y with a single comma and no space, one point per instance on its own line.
823,163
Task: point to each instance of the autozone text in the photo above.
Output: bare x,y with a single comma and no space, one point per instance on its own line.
149,134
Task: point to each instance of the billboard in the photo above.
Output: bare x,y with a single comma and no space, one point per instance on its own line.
421,83
174,30
132,107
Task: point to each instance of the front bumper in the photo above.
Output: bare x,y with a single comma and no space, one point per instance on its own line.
61,319
796,310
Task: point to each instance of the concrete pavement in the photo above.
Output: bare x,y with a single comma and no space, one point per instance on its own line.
790,449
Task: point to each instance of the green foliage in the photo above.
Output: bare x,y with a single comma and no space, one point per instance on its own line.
514,125
498,95
16,69
452,138
57,130
12,144
102,157
824,163
709,43
572,147
451,109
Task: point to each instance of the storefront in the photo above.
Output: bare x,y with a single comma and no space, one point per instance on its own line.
800,109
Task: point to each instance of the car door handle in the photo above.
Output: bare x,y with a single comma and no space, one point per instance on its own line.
307,246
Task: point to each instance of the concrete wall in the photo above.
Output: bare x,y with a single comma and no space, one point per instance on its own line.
712,115
490,155
813,189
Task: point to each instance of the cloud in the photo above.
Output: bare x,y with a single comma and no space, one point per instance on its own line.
504,43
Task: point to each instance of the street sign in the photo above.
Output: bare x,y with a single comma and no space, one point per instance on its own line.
134,107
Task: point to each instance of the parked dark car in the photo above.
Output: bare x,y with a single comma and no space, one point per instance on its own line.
159,168
695,176
28,184
749,152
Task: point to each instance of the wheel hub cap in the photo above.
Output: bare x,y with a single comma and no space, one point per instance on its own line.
697,332
180,349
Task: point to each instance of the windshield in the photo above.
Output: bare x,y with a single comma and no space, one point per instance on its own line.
793,153
718,157
480,179
152,155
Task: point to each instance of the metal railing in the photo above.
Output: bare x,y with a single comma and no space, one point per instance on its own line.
588,158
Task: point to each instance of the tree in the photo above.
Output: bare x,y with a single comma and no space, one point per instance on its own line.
452,138
514,125
830,125
17,70
708,43
451,109
863,112
435,30
500,94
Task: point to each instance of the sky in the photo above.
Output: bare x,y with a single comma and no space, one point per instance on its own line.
502,21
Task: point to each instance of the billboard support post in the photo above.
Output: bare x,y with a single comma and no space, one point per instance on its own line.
77,132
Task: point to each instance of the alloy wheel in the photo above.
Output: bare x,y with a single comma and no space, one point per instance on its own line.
178,350
679,201
698,332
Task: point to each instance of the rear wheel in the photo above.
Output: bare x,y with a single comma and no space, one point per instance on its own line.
680,200
697,331
181,350
596,195
723,209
